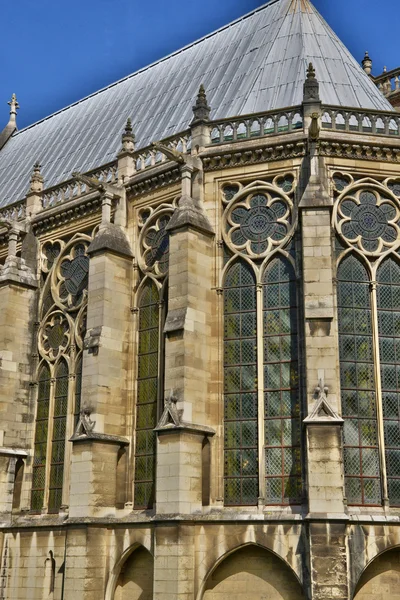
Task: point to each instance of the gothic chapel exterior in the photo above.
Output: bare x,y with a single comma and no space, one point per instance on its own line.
200,328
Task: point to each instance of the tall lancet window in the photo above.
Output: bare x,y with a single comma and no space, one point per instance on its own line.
388,298
62,310
366,217
152,301
262,433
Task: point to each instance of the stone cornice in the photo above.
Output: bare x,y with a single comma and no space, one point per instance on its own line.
66,212
153,179
224,157
360,150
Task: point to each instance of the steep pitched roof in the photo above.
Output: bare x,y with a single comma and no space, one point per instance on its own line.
254,64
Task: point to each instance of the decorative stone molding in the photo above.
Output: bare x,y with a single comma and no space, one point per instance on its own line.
233,158
323,413
259,217
359,151
84,432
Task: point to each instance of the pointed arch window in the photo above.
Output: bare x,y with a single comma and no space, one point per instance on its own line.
58,438
152,306
357,380
147,393
240,386
281,384
388,303
62,308
40,445
262,427
366,216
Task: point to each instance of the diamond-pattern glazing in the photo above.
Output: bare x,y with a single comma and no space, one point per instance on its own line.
58,439
361,458
388,299
282,401
240,392
42,424
147,395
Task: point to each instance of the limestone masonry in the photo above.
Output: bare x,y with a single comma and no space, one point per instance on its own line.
200,328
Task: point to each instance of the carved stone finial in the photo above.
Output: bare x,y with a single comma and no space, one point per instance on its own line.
14,106
311,86
310,71
201,110
128,126
36,179
128,138
367,63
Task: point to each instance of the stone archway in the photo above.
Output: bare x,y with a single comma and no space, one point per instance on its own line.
381,579
252,573
135,581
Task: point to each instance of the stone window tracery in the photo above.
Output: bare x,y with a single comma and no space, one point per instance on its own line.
62,309
261,390
153,259
366,216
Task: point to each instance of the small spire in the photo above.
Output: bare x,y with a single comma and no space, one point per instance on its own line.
201,110
128,126
14,106
36,178
367,63
311,86
128,138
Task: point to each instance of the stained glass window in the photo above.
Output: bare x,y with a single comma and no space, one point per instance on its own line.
147,395
58,439
281,385
361,456
240,386
42,424
388,300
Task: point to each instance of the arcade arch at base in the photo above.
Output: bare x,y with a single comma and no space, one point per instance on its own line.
135,581
381,579
255,574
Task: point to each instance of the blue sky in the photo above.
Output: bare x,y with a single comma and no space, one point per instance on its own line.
58,51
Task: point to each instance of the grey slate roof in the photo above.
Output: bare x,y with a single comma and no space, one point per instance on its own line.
255,64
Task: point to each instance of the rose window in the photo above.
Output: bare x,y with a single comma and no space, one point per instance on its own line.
156,246
258,223
369,221
55,335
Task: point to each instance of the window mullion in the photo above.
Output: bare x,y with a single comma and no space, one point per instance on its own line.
260,393
69,432
49,443
378,385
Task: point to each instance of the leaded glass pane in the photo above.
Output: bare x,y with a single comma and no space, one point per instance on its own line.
58,439
147,394
361,457
240,387
282,401
388,299
40,446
